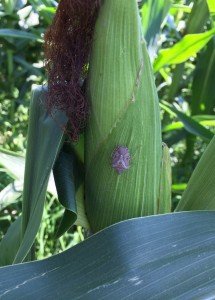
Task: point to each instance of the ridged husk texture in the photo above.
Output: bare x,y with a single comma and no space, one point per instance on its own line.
124,111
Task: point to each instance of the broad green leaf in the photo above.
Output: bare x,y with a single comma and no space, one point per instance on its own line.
176,81
205,118
203,88
200,191
159,257
19,34
124,112
11,242
194,127
183,50
65,184
44,137
176,7
69,178
201,119
15,164
153,13
211,5
190,124
173,126
195,24
198,17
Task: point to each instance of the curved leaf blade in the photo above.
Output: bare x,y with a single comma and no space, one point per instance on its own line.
43,131
193,126
200,191
203,88
19,34
153,14
204,120
198,17
190,124
11,242
184,49
159,257
64,180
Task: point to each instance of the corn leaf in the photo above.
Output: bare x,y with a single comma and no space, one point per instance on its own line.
10,243
203,88
190,124
194,127
68,174
211,6
198,17
184,8
44,137
200,191
184,49
158,257
153,14
64,180
14,165
204,120
195,24
19,34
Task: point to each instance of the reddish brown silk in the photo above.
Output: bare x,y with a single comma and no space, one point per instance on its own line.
67,45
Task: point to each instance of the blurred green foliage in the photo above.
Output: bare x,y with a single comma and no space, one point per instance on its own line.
21,65
177,85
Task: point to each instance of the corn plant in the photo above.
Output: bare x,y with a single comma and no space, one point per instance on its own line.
126,176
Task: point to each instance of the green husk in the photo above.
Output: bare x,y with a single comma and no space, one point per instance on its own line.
164,200
124,111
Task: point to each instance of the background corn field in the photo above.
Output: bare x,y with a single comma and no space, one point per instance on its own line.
180,38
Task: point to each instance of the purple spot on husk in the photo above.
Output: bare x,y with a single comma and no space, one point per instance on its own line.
120,159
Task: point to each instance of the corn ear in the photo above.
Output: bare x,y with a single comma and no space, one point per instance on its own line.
164,199
124,112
